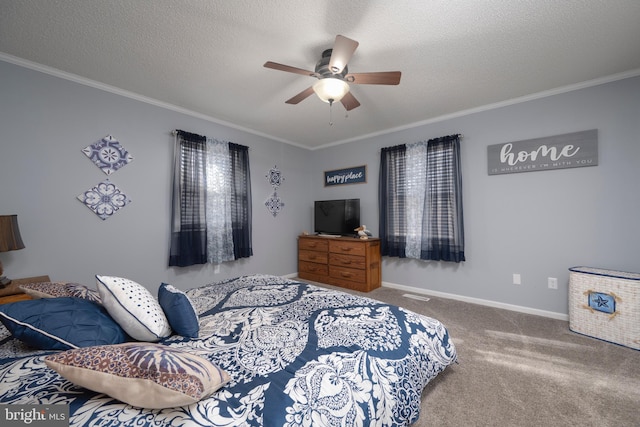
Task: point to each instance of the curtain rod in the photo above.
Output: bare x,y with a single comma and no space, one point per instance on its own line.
175,132
458,134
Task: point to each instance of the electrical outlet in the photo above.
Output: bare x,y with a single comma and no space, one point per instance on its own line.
552,282
516,279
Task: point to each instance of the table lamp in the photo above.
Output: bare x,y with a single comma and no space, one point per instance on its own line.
10,240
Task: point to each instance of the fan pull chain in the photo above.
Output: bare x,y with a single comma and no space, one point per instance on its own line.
331,112
346,113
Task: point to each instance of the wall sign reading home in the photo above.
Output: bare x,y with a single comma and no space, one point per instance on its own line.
571,150
357,174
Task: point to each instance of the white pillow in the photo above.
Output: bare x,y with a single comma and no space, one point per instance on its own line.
141,374
134,308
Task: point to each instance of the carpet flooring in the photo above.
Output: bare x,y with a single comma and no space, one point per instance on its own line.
521,370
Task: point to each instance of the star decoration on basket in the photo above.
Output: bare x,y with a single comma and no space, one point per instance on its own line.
602,302
274,204
105,199
275,177
108,154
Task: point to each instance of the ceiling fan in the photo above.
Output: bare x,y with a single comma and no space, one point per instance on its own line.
334,77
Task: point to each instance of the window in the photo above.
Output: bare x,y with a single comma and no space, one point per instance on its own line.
420,197
211,211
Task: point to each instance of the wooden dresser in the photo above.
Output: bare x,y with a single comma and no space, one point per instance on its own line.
340,261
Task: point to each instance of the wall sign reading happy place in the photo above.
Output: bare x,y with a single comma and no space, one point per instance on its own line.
354,175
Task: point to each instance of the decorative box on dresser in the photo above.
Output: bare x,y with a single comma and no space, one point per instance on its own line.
340,261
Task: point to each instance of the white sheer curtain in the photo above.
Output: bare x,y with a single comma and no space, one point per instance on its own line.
417,194
218,203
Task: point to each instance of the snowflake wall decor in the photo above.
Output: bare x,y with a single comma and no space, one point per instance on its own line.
108,154
105,199
275,177
274,204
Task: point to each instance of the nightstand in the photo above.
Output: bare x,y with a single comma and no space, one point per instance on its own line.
12,292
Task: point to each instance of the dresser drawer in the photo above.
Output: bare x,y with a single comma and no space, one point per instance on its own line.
350,261
347,247
313,256
340,261
350,274
313,268
313,244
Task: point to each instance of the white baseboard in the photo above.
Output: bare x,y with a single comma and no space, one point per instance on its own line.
488,303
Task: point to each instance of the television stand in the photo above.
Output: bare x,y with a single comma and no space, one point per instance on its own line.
340,261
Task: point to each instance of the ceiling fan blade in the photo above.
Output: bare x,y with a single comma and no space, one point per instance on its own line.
349,101
343,49
288,68
379,78
301,96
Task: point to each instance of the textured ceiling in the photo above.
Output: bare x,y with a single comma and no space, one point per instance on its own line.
207,56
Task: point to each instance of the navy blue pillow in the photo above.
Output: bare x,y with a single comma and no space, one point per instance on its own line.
180,313
61,323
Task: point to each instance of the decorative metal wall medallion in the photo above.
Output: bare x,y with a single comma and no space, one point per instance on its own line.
274,204
275,177
108,154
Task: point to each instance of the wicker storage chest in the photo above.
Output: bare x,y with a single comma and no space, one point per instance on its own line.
605,304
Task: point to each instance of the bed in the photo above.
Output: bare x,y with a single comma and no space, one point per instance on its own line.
296,354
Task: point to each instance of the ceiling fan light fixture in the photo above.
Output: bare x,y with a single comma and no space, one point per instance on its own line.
330,89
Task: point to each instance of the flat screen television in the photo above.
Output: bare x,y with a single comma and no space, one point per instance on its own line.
337,217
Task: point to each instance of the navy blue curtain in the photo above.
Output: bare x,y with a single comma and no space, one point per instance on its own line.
241,201
443,234
391,200
188,221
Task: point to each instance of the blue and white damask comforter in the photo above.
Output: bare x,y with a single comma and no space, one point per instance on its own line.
298,355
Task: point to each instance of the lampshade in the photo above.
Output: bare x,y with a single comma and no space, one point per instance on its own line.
330,89
10,239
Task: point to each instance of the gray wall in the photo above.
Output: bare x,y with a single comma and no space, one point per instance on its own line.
46,121
537,224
